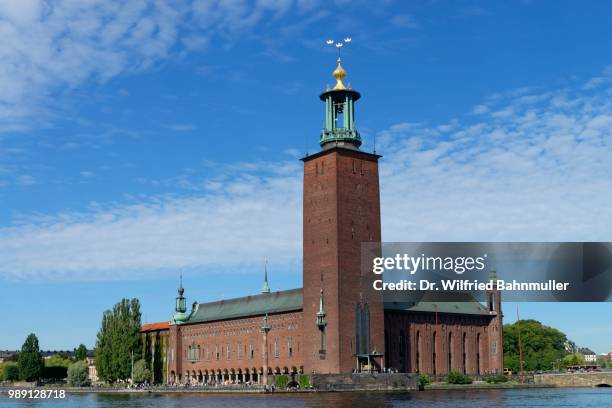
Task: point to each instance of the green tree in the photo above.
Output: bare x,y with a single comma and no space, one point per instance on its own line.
119,341
9,372
78,374
572,359
30,361
80,353
141,372
542,346
56,367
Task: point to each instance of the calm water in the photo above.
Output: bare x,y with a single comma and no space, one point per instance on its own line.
567,397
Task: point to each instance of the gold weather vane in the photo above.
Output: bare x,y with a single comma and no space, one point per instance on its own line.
339,73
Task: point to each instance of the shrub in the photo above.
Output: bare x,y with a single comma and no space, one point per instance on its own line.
424,380
54,372
78,374
458,378
497,379
304,381
281,381
141,372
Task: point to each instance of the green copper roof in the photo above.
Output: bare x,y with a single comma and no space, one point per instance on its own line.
443,302
292,300
274,302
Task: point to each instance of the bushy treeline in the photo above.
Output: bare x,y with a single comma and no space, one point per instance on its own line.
543,347
30,365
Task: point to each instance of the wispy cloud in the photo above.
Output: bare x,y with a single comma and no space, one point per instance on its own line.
404,21
181,127
539,172
48,48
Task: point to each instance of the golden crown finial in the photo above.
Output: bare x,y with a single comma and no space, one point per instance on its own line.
339,73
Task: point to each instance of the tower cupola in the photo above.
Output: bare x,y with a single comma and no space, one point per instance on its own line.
180,309
340,101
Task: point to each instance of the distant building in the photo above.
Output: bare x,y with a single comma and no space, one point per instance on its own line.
589,355
92,373
8,355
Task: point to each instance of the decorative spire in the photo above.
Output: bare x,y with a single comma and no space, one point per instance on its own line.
266,287
339,73
180,289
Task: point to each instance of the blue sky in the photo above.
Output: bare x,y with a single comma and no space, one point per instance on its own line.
139,139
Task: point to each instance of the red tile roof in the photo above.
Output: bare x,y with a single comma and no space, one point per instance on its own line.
148,327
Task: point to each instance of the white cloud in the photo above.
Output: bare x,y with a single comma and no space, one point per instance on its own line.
25,180
48,48
181,127
541,172
404,21
238,224
480,109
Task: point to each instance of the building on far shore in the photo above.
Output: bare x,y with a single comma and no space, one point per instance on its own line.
336,322
92,373
589,355
8,355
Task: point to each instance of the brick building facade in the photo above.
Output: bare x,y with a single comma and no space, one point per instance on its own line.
336,323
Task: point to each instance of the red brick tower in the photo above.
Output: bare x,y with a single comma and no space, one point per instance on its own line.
343,316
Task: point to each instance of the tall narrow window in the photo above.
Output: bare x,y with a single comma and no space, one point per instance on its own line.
365,333
227,351
450,352
402,351
251,351
289,346
478,353
276,350
239,351
322,341
387,350
358,329
418,352
464,350
433,357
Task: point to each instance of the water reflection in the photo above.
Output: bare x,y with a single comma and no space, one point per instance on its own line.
557,398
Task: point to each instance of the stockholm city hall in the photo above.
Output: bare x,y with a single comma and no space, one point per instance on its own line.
337,322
